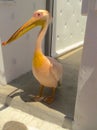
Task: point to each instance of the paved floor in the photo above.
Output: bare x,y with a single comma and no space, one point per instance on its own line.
17,96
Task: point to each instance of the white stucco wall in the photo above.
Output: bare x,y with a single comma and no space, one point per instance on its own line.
86,102
16,58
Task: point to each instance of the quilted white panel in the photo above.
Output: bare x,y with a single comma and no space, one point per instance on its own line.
69,25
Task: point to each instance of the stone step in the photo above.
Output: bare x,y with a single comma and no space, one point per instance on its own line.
10,97
14,119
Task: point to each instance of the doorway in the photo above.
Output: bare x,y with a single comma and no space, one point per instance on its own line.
68,28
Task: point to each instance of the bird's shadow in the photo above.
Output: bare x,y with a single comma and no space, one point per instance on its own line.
64,99
65,95
27,87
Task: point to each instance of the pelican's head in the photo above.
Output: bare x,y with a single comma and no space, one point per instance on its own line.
39,18
42,16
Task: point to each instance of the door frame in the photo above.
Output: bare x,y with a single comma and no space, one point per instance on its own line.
49,34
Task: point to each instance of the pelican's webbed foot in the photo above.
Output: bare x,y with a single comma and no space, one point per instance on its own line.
51,98
38,98
48,99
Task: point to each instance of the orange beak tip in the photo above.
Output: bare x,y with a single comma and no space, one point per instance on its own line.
3,43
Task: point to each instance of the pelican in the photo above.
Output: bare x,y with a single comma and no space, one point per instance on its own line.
46,70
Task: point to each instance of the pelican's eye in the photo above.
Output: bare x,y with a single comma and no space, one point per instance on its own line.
38,14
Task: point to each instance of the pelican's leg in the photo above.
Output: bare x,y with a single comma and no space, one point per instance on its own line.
39,97
41,91
50,99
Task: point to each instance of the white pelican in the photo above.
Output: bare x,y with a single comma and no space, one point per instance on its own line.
46,70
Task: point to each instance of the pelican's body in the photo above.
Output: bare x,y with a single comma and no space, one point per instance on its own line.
49,72
46,70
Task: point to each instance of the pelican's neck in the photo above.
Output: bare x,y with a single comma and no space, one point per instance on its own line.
41,36
39,58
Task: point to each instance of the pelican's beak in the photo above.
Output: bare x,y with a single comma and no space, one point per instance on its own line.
33,22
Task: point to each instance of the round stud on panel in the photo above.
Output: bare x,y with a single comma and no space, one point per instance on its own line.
73,13
71,35
64,38
65,25
80,1
82,31
61,12
77,22
68,1
58,37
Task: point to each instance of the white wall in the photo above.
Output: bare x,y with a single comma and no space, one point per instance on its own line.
86,102
16,58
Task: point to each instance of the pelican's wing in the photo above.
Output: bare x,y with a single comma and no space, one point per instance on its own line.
56,68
